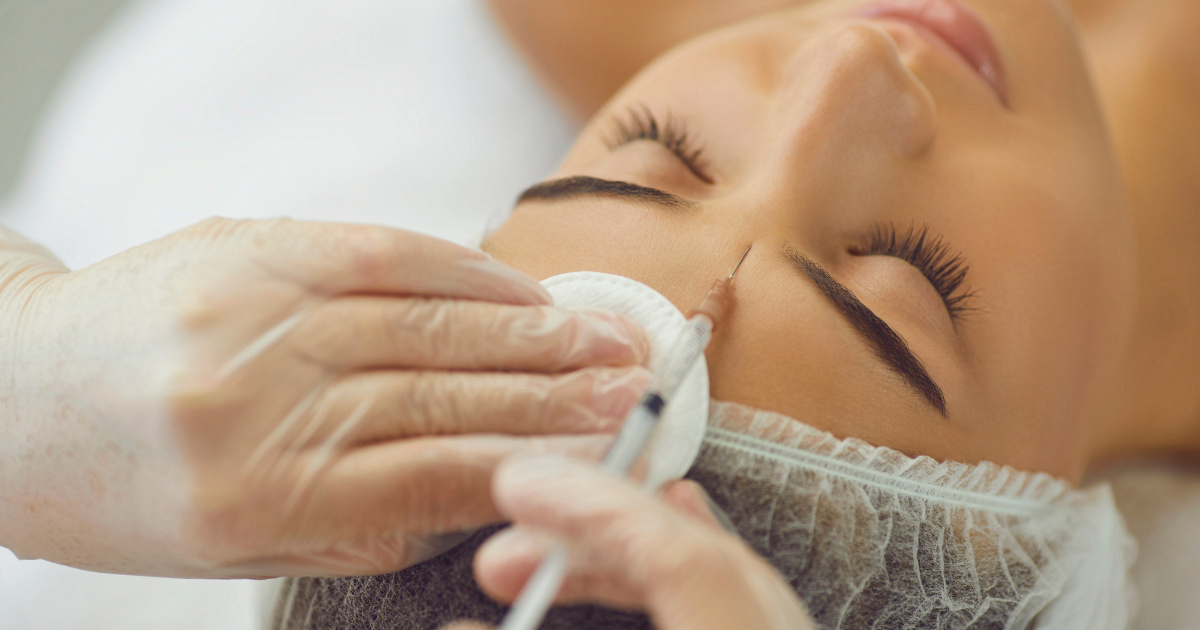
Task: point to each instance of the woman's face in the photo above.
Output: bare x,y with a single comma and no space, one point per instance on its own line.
831,138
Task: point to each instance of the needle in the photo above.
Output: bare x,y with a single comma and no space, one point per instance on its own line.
716,302
535,599
739,262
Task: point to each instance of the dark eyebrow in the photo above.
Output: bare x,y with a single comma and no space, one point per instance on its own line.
583,185
888,345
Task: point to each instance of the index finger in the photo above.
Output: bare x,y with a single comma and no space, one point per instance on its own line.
333,258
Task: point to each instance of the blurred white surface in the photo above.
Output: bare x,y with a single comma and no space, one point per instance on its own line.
407,113
44,596
39,39
400,112
1161,505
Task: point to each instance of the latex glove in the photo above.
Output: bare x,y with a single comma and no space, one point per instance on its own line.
667,556
257,398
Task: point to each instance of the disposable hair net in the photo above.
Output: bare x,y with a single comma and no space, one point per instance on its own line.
867,536
872,538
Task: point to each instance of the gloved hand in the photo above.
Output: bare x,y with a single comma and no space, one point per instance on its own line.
258,398
667,556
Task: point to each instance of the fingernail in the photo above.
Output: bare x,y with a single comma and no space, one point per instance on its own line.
515,543
641,343
537,473
611,327
616,392
435,545
525,288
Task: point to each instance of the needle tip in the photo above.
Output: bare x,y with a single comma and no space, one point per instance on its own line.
739,262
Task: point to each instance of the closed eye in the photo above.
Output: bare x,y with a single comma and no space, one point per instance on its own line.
943,267
639,123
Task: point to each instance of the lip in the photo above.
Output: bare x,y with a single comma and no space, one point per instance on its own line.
957,26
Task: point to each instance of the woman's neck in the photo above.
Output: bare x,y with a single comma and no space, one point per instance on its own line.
1146,62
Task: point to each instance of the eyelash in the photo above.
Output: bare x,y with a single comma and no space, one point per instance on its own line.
639,123
945,269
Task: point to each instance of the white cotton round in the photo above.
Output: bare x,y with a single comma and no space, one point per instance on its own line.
680,431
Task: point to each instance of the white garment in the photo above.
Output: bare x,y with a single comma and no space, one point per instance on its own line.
402,112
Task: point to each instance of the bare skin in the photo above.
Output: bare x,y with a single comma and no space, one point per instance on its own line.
1146,62
1090,389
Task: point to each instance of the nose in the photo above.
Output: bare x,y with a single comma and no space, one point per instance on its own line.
844,115
847,83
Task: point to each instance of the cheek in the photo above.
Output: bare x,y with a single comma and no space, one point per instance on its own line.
1077,323
1054,311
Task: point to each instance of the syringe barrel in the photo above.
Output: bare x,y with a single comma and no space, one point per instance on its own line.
631,440
687,350
530,607
715,303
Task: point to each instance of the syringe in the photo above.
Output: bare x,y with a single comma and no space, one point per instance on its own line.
539,592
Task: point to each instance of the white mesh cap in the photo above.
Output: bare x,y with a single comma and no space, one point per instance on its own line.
868,537
872,538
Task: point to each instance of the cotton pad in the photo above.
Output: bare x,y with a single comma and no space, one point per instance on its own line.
677,439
